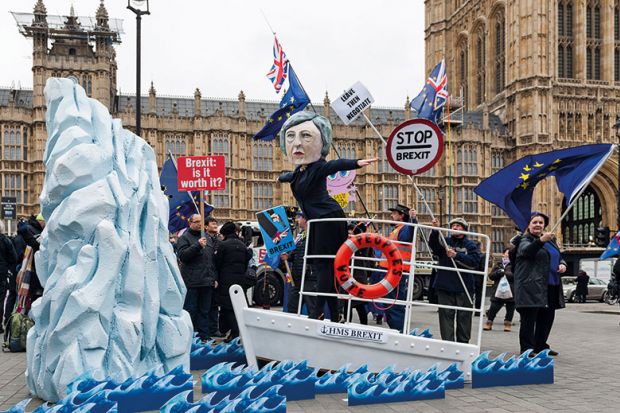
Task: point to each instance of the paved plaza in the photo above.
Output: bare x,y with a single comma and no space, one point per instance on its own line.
586,371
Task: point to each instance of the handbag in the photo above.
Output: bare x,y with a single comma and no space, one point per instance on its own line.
16,332
503,291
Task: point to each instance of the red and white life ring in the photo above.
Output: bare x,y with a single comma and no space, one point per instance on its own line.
342,270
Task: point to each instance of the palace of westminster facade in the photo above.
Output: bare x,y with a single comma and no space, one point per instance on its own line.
532,76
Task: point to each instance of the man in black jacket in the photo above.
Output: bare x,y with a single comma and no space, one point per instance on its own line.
296,260
30,231
199,274
8,257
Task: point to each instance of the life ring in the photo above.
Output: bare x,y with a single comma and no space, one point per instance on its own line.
368,240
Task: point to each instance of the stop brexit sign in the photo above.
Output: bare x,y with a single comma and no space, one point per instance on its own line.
414,146
201,173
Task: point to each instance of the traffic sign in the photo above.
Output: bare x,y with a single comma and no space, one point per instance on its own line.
8,207
414,146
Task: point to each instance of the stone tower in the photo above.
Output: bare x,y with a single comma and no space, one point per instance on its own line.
68,46
551,71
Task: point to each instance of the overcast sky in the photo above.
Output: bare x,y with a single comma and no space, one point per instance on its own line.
226,46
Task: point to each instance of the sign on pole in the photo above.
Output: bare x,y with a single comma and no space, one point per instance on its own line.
8,207
201,173
414,146
352,103
276,230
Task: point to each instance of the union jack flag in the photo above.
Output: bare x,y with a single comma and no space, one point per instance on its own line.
279,70
433,97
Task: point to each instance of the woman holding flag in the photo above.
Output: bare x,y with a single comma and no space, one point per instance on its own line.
305,140
538,291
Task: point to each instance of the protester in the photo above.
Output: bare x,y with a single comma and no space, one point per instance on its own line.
296,265
20,247
402,235
199,274
360,274
502,269
581,291
231,259
305,139
448,285
8,258
213,238
538,292
173,238
30,230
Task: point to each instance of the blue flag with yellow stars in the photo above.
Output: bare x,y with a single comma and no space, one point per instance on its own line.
613,249
294,100
181,204
430,101
511,188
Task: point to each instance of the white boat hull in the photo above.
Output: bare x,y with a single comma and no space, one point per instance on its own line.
278,335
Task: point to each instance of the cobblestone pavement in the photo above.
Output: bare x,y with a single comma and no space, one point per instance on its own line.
586,371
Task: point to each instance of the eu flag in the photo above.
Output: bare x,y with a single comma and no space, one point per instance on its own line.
182,206
294,100
431,100
511,188
613,249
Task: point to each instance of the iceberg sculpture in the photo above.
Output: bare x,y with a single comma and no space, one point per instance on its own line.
113,292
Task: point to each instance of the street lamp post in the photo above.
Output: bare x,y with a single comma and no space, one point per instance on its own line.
617,126
139,7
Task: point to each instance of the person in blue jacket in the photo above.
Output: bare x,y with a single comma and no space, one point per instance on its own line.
449,288
305,140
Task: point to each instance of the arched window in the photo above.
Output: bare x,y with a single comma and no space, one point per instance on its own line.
480,65
566,39
220,145
262,155
617,41
175,145
500,52
578,226
593,40
462,65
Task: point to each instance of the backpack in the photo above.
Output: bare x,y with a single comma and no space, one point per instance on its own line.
16,332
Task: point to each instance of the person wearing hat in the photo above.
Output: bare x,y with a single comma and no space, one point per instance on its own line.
196,253
402,235
538,291
465,254
231,260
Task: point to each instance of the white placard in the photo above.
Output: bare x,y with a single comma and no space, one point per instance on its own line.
352,103
414,146
351,333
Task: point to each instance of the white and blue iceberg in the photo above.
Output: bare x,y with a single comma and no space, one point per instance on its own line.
113,296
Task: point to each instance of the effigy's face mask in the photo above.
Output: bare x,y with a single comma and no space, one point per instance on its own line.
303,143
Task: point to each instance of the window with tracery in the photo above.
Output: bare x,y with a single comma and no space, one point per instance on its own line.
593,40
578,226
467,161
388,197
15,143
500,53
262,155
175,145
462,62
480,66
467,201
262,196
220,145
566,39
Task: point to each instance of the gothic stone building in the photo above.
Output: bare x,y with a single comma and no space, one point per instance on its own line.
516,99
550,70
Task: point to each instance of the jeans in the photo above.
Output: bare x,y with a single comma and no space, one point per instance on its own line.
447,316
198,305
395,314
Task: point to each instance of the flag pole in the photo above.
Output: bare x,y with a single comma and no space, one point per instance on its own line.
421,195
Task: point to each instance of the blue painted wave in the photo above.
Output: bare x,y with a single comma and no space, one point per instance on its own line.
297,379
271,400
388,387
339,380
206,355
452,376
147,392
19,407
422,333
516,370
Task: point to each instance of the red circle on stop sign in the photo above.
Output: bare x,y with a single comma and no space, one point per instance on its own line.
414,146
